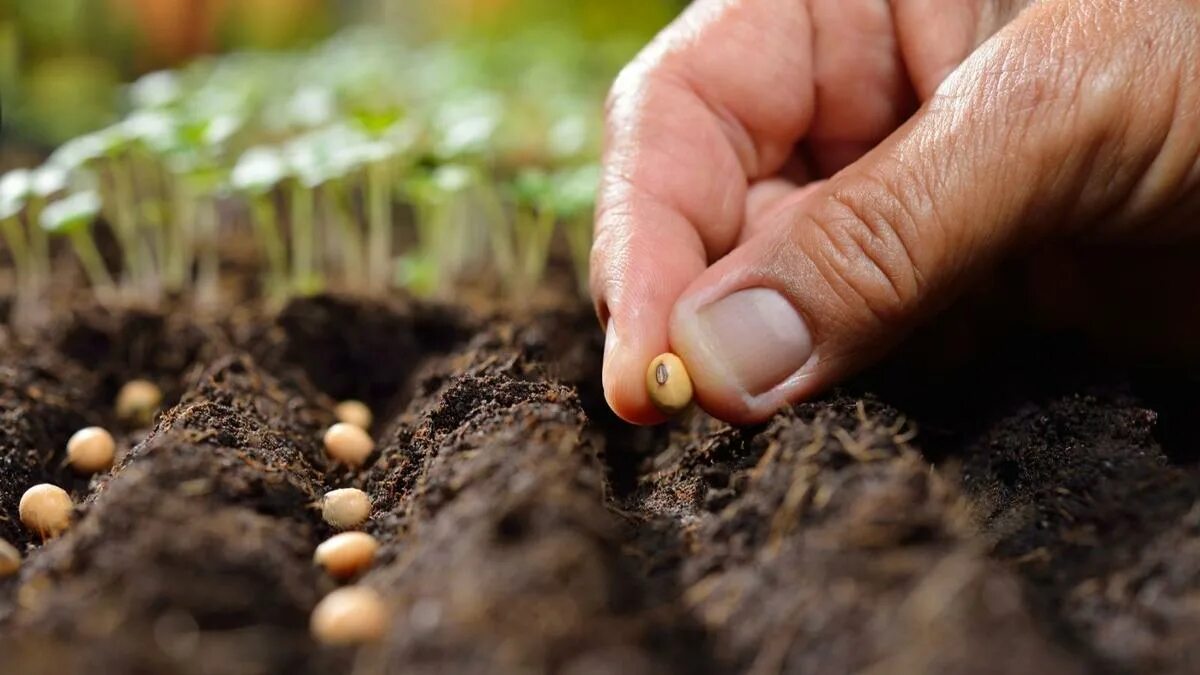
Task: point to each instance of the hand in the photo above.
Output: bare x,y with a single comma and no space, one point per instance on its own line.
792,186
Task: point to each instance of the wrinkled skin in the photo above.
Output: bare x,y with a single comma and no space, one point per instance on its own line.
871,162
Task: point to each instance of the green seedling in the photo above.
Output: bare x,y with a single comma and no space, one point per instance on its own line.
533,226
15,189
574,198
258,172
72,217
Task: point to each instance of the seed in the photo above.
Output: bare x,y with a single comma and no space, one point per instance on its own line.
668,384
10,559
46,509
354,412
137,402
91,450
350,615
346,509
347,554
348,444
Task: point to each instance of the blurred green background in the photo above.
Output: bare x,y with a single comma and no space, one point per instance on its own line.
62,62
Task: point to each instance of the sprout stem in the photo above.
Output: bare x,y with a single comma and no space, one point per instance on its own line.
379,232
303,244
209,269
14,235
39,244
93,263
266,223
351,243
124,225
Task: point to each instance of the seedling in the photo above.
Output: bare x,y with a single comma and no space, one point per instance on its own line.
574,202
349,616
91,450
347,554
256,175
15,189
355,413
137,402
72,217
10,559
46,510
348,444
668,384
346,508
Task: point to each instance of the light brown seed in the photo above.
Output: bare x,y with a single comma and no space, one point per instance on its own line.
347,554
350,615
10,559
346,508
354,412
46,509
348,444
668,384
91,450
137,402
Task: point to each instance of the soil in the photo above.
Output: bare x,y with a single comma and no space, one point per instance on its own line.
1037,512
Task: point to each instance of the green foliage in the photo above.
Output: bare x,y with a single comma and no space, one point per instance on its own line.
363,164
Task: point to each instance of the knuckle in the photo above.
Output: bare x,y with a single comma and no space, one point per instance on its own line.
865,251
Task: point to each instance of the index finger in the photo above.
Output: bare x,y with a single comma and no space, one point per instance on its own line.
716,101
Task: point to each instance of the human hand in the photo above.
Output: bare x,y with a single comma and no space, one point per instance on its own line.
791,187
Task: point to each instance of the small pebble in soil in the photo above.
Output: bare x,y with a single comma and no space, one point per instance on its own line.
668,384
350,615
354,412
137,402
347,554
346,508
91,450
348,444
46,509
10,559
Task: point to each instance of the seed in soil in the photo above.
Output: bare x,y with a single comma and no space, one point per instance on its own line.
46,509
348,444
347,554
91,450
350,615
10,559
346,508
668,384
137,402
354,412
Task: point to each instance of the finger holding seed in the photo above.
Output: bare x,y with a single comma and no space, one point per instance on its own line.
668,384
91,450
346,508
46,510
350,615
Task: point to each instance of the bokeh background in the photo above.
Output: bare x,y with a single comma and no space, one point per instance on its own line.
62,62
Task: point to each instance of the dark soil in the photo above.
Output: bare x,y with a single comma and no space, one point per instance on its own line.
1040,514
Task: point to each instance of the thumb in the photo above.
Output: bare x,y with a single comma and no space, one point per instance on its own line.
1071,121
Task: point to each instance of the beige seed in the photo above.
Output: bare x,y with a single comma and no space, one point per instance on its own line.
354,412
350,615
46,509
137,402
346,508
10,559
668,384
91,450
347,554
348,444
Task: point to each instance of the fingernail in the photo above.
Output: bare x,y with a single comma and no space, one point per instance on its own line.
756,336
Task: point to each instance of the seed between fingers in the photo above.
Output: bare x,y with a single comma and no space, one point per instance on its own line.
668,384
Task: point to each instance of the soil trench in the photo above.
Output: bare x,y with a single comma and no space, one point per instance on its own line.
1048,525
